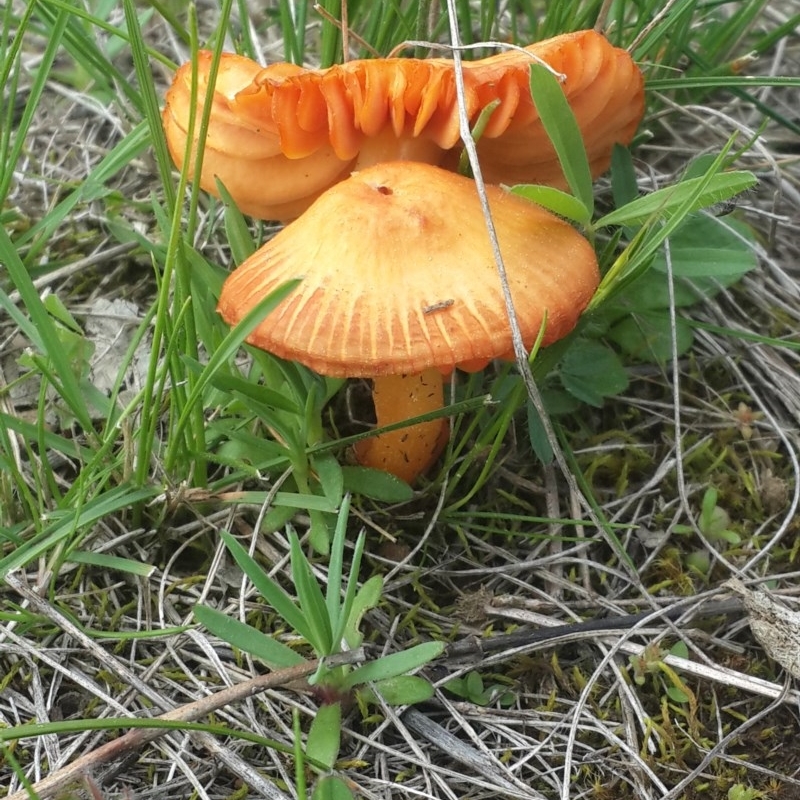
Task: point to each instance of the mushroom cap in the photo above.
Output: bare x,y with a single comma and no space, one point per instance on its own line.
345,105
281,135
398,276
603,86
244,154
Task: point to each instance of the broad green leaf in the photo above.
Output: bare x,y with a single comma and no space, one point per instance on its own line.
709,247
331,787
707,506
324,735
376,484
329,472
404,690
273,594
591,372
561,203
319,536
562,128
367,597
395,664
668,200
677,695
647,336
273,653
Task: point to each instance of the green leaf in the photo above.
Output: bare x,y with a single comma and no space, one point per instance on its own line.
591,372
333,591
309,502
367,597
680,650
41,330
538,436
228,347
709,247
561,203
244,390
395,664
325,735
329,472
273,653
109,562
707,507
273,594
623,176
668,200
376,484
677,695
239,238
404,690
562,128
647,336
311,600
331,787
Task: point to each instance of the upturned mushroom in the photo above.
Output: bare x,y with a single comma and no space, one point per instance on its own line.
399,285
282,134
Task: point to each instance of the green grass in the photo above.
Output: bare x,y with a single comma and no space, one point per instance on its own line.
679,386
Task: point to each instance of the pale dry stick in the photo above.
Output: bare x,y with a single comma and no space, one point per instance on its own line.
701,671
421,754
554,528
602,16
78,678
493,765
23,647
137,738
351,34
652,24
460,48
520,352
51,742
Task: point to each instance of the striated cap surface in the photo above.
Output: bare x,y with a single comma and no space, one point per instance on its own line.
398,276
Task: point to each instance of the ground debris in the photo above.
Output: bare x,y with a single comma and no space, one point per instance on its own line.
776,627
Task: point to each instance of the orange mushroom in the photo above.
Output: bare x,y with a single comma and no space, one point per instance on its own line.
247,158
399,285
282,134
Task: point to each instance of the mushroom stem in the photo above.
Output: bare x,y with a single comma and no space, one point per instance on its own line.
406,452
385,146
